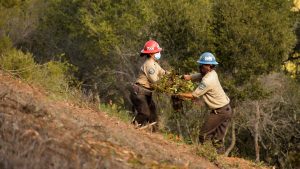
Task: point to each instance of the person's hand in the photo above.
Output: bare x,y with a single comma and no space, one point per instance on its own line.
187,77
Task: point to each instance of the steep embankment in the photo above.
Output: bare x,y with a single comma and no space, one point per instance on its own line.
38,133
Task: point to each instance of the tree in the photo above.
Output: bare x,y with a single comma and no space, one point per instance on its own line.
252,39
292,64
100,38
254,42
19,18
273,121
184,31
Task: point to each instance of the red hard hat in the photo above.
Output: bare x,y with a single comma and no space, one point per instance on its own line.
151,47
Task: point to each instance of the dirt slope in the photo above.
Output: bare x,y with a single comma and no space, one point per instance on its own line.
38,133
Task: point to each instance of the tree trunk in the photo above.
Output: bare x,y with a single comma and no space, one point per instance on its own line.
233,139
256,131
179,128
96,97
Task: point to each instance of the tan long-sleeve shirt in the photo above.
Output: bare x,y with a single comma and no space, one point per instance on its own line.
150,73
211,90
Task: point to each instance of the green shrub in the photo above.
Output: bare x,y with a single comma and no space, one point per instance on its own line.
116,111
18,63
208,151
5,43
53,76
173,84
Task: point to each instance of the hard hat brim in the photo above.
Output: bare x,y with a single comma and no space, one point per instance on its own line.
207,63
151,51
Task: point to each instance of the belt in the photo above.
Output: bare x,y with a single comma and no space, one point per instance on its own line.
221,108
139,89
142,86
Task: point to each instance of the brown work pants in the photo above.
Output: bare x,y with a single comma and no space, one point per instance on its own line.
143,104
216,125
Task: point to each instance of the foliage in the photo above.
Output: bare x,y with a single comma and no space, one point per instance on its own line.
278,122
208,151
19,63
19,19
249,45
172,84
173,137
9,3
262,35
292,64
186,121
254,42
183,29
5,44
51,75
95,37
116,111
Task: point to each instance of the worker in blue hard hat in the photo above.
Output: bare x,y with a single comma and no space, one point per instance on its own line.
210,89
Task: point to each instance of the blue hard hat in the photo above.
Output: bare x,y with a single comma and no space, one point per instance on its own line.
207,58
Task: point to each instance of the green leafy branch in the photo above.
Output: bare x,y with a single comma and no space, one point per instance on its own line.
173,84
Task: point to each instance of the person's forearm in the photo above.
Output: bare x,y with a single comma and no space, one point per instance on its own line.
186,95
193,77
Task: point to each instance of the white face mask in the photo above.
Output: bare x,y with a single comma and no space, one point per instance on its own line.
157,56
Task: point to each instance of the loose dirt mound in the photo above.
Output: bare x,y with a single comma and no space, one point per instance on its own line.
38,133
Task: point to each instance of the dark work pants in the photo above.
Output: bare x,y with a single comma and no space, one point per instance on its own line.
144,105
216,125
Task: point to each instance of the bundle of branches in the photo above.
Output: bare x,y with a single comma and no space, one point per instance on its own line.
173,84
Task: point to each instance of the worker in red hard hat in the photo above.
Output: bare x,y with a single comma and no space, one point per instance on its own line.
141,93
